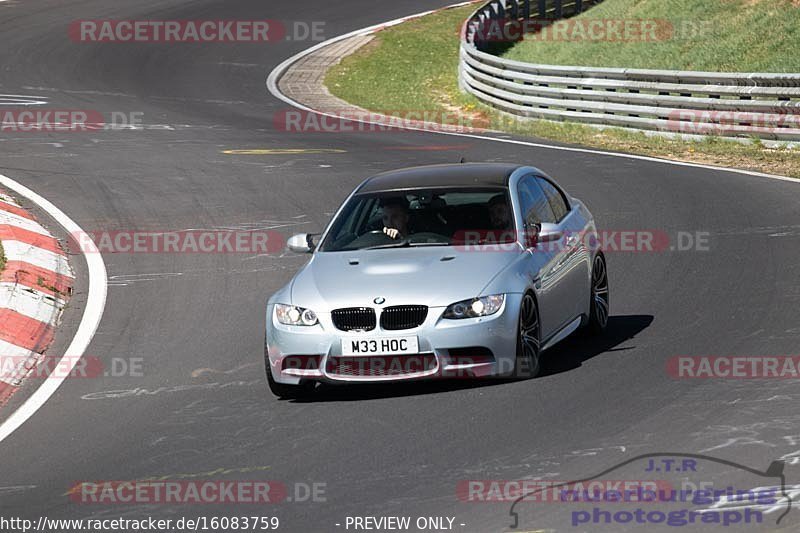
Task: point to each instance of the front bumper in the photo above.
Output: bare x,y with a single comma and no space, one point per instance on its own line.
450,348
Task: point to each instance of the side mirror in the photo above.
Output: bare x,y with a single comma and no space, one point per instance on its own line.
302,243
549,232
542,233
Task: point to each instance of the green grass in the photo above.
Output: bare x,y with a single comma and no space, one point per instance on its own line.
713,35
404,66
414,67
2,258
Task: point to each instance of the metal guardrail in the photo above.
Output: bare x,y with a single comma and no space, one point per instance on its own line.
764,105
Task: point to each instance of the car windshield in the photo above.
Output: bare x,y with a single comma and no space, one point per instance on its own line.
417,217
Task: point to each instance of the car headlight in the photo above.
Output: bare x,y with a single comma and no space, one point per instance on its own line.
474,307
295,316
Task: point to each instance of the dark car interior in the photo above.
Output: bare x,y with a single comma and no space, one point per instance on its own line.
434,217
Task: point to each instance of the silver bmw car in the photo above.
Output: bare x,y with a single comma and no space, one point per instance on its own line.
465,270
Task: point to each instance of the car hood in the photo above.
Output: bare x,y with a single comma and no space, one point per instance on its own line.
434,276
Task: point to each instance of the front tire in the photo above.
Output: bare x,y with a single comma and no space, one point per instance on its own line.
289,392
527,364
284,390
600,304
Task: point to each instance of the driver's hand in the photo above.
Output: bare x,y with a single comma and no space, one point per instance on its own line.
391,232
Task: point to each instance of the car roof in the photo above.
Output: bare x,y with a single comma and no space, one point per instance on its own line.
453,175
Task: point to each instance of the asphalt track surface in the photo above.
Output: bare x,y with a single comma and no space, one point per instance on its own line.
197,320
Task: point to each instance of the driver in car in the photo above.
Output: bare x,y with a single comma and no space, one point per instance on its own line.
394,212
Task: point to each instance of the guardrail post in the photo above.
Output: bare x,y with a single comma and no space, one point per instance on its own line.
501,9
526,9
559,9
542,9
578,6
462,83
513,8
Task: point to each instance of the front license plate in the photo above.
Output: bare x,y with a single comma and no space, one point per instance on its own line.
380,346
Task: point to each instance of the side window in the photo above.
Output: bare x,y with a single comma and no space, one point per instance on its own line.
534,204
556,199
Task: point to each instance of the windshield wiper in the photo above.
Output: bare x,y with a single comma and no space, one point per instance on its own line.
405,243
486,241
399,244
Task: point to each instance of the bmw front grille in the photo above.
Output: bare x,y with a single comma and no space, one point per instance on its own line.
354,318
393,318
403,316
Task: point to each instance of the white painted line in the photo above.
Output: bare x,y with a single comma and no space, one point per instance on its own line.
11,359
22,251
92,314
11,356
12,350
277,72
20,100
32,304
6,217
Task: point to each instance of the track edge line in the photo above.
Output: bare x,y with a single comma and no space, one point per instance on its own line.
92,314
